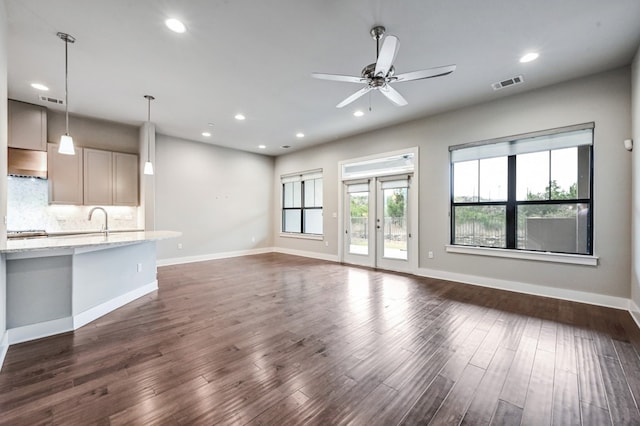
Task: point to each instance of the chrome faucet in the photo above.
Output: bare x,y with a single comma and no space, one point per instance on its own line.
106,218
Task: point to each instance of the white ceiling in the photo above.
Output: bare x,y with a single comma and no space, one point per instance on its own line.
256,57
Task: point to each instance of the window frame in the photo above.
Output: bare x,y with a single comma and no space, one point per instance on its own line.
511,204
303,177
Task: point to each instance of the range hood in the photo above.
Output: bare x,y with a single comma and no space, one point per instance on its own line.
24,162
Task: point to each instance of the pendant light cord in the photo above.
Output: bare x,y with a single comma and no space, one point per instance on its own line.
66,83
67,39
149,99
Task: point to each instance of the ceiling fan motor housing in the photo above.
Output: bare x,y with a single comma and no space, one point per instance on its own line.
376,81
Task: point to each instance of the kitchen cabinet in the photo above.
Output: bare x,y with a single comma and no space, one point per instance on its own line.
98,177
110,178
27,126
125,179
65,176
93,177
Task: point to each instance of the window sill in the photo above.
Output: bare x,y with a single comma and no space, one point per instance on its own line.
574,259
302,236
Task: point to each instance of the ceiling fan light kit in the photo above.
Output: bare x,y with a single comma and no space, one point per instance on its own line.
380,75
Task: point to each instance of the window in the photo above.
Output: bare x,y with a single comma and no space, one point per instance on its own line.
302,203
531,192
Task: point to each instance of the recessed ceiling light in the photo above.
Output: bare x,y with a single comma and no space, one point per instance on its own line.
529,57
175,25
39,86
206,134
358,113
262,146
299,135
240,117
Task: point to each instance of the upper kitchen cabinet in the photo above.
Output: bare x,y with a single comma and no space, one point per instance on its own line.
98,177
65,176
110,178
125,179
27,126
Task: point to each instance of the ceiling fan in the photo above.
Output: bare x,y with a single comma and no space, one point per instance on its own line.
380,75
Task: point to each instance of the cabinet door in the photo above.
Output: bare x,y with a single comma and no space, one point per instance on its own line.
125,179
65,176
27,126
98,177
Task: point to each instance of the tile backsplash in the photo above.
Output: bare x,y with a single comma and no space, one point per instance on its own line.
28,209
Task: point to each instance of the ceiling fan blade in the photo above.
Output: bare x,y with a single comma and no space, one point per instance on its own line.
354,96
393,95
430,73
338,77
387,55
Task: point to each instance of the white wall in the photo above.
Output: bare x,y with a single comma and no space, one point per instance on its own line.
635,211
3,172
220,199
603,99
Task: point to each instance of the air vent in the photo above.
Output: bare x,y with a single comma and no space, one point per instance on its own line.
52,100
508,82
285,146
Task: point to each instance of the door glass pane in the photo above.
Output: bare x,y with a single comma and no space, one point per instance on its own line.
483,226
359,223
395,223
562,228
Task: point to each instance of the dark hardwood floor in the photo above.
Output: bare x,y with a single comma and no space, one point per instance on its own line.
284,340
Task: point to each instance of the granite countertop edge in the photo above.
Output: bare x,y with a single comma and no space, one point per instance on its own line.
79,240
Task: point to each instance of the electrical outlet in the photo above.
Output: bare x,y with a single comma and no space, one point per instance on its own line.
326,243
253,239
179,246
139,267
430,255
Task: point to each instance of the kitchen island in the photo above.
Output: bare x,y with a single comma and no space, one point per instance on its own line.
59,284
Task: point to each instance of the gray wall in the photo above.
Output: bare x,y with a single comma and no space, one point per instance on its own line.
102,275
3,165
220,199
635,122
93,133
603,98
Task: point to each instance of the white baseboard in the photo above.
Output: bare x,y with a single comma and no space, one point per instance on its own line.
634,310
39,330
212,256
96,312
4,347
533,289
311,254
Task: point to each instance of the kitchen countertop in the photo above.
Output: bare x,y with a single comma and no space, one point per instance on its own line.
81,240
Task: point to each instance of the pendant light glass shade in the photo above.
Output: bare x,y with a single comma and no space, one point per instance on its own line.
66,145
148,167
66,141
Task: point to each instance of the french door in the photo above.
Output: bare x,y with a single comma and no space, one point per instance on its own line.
377,228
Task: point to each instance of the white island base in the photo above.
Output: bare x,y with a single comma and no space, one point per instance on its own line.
65,285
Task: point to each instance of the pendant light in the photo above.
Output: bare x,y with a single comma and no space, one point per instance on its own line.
66,141
148,167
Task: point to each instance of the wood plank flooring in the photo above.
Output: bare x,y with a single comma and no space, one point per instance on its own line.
275,339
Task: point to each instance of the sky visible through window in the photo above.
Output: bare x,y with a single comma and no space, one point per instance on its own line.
534,172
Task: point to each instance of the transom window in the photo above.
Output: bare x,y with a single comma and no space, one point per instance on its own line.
302,203
531,192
